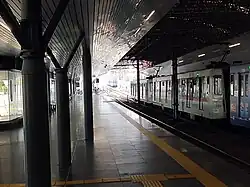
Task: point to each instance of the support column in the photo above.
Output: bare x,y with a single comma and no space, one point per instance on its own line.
88,104
175,88
138,83
63,119
35,101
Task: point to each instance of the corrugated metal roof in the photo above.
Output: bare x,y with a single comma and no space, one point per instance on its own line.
111,27
192,25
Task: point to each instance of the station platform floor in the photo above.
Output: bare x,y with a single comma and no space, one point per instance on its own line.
128,151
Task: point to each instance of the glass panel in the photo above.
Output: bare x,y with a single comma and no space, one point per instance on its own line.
241,85
190,91
217,85
15,95
232,85
4,96
246,85
201,92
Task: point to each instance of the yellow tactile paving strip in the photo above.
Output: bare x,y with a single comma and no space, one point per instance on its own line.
146,180
194,169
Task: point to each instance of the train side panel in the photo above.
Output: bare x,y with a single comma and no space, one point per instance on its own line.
239,99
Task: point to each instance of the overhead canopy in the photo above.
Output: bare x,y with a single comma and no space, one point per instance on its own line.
192,25
112,27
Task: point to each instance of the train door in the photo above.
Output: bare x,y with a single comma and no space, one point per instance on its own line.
189,92
183,93
243,95
154,91
150,92
201,92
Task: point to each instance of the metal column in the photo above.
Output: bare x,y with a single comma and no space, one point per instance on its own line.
175,88
138,82
88,104
63,120
35,101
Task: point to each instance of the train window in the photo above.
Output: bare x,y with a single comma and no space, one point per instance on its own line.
189,92
241,85
246,84
166,96
184,87
217,85
232,85
195,88
154,91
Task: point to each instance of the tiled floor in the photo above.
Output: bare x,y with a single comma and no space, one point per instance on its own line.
125,144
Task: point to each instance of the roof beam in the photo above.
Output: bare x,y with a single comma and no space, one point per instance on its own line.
73,51
53,58
10,19
54,21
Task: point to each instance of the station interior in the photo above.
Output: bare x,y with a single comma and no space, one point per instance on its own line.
124,93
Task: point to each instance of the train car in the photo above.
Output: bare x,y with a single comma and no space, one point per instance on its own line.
146,90
239,95
207,78
200,91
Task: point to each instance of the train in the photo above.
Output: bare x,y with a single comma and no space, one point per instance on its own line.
214,90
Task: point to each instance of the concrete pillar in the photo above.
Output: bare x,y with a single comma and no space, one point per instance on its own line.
35,100
175,88
88,103
63,120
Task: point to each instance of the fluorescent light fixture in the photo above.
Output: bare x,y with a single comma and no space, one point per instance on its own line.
217,50
150,15
201,55
234,45
5,26
181,61
137,30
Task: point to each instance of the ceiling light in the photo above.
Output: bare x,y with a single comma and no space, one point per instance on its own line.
217,50
137,30
151,14
181,61
5,26
234,45
201,55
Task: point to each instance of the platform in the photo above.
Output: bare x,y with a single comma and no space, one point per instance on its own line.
128,151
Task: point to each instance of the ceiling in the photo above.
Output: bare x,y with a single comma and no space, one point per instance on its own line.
112,28
192,25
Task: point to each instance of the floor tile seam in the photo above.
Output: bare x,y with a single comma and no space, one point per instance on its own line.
115,161
203,176
71,164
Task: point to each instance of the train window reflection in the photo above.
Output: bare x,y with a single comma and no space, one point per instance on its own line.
217,85
241,85
246,85
232,85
